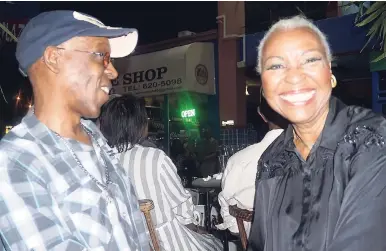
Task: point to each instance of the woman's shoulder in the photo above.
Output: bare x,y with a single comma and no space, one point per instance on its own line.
146,152
352,125
362,147
364,137
364,126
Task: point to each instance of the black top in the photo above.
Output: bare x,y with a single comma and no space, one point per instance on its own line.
336,199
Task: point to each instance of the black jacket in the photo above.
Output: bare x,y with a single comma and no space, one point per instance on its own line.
336,199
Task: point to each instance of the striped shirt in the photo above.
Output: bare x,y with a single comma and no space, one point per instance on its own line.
155,177
47,202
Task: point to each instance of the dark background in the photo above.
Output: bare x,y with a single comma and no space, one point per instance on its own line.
156,21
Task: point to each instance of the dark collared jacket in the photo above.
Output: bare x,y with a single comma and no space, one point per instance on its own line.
334,200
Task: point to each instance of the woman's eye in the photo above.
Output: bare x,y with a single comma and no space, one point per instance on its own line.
312,60
275,67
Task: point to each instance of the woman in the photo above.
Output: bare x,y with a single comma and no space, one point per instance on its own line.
123,121
321,184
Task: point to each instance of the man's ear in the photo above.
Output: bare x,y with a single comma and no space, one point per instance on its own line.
51,58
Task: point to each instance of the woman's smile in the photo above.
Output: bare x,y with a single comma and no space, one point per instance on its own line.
298,97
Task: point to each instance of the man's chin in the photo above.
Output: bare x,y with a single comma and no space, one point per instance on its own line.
92,114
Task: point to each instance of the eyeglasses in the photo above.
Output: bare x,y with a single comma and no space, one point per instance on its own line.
105,56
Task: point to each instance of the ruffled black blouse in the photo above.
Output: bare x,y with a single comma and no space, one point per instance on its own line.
336,199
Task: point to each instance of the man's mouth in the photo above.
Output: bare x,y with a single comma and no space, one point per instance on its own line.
298,97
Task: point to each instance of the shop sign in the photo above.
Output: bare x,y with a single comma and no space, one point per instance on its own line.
151,80
201,73
184,68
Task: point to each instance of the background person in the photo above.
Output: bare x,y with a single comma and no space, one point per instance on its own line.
239,178
123,121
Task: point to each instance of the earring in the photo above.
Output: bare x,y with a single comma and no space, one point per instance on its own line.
333,81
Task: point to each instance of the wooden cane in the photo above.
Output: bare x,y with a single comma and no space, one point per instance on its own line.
146,206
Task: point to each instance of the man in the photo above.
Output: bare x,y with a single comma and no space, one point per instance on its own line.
238,182
61,188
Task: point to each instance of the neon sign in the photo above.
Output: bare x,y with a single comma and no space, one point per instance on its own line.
188,113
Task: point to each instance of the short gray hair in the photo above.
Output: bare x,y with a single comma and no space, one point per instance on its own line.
290,24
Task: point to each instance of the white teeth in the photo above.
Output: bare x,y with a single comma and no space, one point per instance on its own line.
298,97
105,89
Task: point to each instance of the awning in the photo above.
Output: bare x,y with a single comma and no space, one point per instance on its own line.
184,68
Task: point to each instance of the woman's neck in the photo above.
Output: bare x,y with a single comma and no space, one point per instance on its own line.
310,132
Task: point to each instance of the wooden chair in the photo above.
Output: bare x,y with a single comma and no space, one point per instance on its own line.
146,206
241,215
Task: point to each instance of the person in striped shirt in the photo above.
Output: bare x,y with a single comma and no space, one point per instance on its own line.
123,122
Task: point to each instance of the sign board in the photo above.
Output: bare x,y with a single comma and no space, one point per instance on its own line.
14,26
184,68
188,113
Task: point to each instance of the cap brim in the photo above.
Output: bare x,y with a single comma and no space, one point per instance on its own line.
122,40
124,45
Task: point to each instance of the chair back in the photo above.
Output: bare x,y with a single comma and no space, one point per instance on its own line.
241,215
146,206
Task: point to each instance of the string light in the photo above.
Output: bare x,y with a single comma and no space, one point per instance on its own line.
18,96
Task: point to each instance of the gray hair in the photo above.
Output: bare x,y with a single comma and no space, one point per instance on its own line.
290,24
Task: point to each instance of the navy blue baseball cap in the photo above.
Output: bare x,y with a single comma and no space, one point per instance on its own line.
55,27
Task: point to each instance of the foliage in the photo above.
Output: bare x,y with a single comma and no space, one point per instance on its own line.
374,17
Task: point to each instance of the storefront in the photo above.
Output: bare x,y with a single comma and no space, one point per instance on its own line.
176,84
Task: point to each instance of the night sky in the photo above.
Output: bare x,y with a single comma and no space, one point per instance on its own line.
155,21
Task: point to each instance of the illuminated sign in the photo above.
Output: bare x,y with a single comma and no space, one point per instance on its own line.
228,122
188,113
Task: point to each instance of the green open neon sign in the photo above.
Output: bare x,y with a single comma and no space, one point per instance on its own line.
188,113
